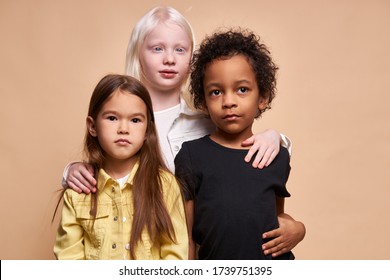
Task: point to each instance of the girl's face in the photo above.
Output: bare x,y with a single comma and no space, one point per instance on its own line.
165,56
232,96
120,127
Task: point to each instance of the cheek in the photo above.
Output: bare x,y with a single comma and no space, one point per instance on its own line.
213,111
141,133
105,132
186,64
146,65
103,136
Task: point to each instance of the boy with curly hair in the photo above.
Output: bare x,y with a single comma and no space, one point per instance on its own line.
229,203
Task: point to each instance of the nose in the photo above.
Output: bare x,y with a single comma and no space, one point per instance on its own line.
169,58
123,127
229,100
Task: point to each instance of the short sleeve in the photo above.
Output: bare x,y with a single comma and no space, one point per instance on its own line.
184,172
282,170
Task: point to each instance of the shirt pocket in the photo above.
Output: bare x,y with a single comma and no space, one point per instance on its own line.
94,228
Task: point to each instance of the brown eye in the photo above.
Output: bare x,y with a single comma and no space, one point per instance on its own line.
215,92
136,120
242,90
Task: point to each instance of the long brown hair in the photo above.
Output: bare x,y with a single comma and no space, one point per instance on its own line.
149,206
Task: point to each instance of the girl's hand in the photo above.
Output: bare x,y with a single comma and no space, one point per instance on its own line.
284,238
80,178
267,146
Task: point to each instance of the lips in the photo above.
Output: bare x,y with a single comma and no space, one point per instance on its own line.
168,73
122,141
231,117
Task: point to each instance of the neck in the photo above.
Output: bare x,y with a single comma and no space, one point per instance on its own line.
230,140
162,102
119,168
164,99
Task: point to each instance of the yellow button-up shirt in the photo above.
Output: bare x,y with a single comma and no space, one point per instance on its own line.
80,237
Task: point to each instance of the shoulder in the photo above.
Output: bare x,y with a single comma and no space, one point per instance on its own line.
281,163
283,153
166,176
196,143
74,197
192,148
168,179
169,182
282,157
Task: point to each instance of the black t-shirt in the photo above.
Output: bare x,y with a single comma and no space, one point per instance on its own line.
234,202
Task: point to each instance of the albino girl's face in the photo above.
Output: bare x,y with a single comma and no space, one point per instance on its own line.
165,56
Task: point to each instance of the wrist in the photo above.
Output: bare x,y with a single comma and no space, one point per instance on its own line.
66,173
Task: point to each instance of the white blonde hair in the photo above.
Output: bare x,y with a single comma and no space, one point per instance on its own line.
143,27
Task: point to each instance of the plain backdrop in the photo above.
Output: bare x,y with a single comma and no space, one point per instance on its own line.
332,102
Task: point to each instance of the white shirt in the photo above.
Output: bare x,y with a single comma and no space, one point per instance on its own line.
164,120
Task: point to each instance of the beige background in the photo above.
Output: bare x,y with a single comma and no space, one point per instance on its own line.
333,102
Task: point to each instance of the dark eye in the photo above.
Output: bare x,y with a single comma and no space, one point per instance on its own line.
136,120
111,118
215,92
242,90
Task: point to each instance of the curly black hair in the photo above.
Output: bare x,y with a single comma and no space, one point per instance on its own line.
224,45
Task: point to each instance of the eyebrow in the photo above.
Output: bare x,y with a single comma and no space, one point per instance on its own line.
216,84
136,114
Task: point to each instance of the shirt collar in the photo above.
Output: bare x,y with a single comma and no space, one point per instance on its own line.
186,110
104,179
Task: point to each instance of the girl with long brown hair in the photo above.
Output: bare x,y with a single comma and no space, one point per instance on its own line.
137,211
159,53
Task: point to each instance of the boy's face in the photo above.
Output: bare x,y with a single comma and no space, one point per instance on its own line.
232,97
165,56
120,127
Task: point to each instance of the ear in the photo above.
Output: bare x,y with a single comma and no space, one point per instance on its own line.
91,126
263,103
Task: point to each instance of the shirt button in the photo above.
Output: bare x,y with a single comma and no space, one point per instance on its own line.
127,247
124,219
176,148
113,246
115,218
